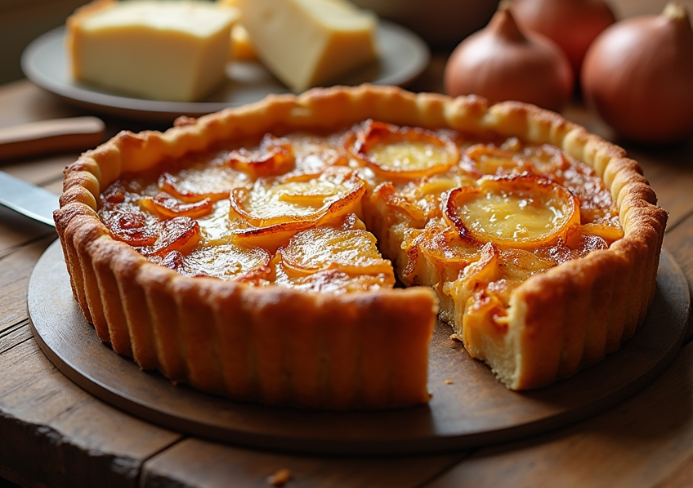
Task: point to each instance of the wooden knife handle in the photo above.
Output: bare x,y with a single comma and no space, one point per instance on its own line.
35,138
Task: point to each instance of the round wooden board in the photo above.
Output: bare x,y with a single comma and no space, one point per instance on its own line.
473,410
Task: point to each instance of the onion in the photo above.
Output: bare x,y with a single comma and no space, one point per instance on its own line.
638,76
571,24
500,62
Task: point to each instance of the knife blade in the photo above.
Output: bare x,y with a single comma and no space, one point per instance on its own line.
27,199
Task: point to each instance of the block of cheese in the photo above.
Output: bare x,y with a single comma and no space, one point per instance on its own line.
161,50
310,42
241,46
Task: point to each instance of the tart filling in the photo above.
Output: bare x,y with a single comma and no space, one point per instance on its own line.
253,253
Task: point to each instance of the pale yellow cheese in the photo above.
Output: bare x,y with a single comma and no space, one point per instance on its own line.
241,46
409,155
514,216
310,42
162,50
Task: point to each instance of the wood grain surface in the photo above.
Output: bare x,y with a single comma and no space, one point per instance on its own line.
52,433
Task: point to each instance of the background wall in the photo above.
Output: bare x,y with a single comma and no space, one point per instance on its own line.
21,21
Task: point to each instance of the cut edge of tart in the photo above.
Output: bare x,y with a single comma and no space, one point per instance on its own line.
283,346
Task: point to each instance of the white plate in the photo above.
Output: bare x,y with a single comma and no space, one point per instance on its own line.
403,57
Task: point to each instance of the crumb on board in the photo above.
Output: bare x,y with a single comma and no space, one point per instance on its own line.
279,478
448,382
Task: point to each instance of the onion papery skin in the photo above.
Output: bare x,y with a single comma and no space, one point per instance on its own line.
572,24
503,63
638,76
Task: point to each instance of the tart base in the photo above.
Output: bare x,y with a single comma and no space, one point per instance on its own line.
226,338
475,409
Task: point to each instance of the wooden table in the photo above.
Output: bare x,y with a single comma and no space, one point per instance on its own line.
52,433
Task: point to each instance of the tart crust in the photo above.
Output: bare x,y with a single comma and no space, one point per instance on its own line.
282,346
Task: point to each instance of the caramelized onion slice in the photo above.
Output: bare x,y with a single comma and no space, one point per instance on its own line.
437,185
166,206
395,152
438,247
298,199
168,183
316,157
519,265
488,159
386,192
447,249
521,211
115,193
491,160
609,233
477,275
177,234
132,227
227,262
275,156
325,248
334,281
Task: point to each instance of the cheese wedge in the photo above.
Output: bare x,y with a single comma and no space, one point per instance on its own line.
241,47
161,50
310,42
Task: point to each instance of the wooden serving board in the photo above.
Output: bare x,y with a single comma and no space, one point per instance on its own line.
469,406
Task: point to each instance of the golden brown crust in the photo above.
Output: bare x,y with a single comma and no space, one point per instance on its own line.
367,350
232,339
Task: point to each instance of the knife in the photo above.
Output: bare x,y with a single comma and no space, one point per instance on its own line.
25,198
30,139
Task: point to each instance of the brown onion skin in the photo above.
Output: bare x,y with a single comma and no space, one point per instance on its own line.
501,63
571,24
638,76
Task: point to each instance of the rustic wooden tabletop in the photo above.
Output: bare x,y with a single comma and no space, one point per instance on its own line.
52,433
